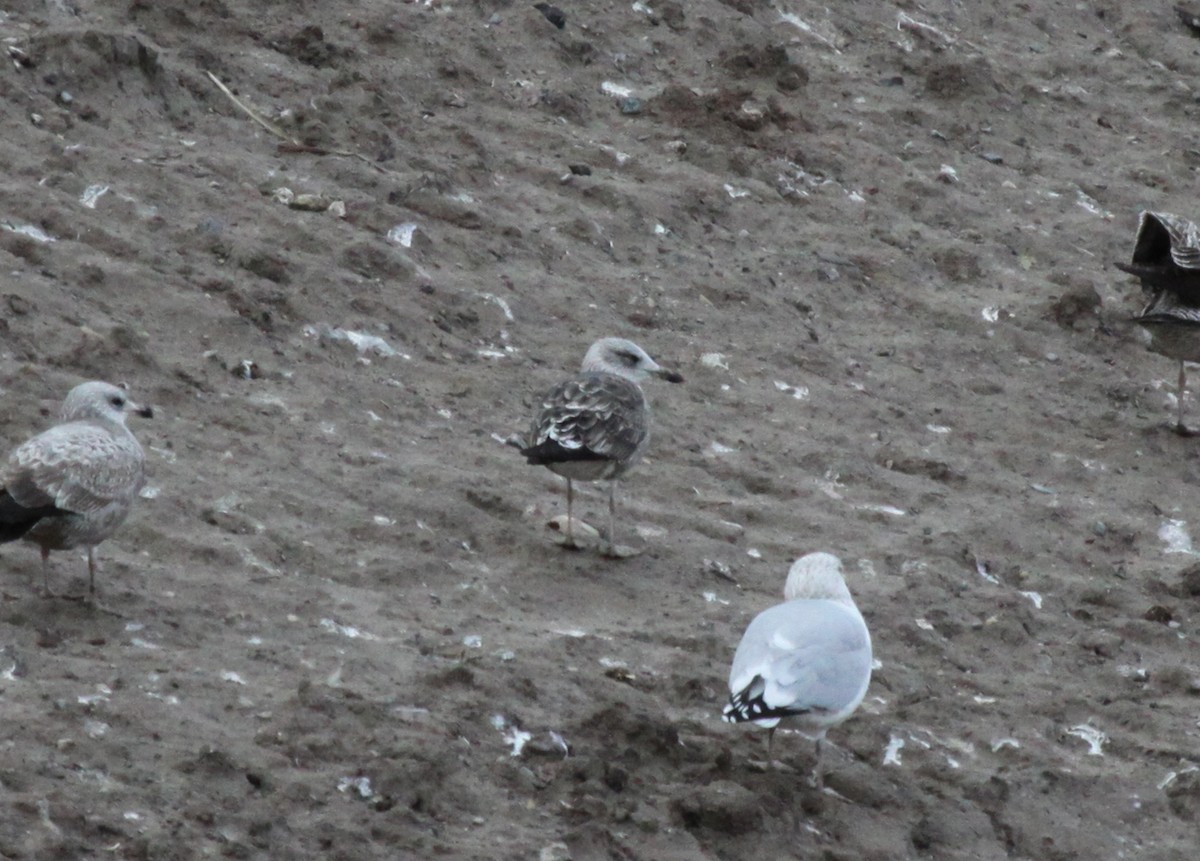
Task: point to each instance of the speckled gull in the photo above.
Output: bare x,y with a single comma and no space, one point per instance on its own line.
73,485
807,660
596,425
1166,258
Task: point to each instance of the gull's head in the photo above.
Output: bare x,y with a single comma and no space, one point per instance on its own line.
99,400
625,359
817,575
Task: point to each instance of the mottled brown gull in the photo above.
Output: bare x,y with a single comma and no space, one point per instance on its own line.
595,426
73,485
807,660
1166,258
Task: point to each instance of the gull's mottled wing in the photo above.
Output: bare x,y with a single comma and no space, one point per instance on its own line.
1162,237
78,467
589,417
801,657
1166,256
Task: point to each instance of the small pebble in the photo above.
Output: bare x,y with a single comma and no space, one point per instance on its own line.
631,106
947,174
309,202
247,369
555,852
1158,613
719,569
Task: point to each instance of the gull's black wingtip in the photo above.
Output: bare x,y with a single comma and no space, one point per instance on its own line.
16,519
549,451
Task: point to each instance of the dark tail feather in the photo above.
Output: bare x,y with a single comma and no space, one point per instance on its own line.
748,704
1166,276
551,452
16,519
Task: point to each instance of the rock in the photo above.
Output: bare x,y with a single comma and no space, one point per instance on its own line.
1101,643
750,117
457,211
1158,613
552,14
309,202
555,851
672,14
1183,794
722,806
1079,303
1189,581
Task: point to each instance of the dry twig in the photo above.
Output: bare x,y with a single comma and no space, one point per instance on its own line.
290,144
251,113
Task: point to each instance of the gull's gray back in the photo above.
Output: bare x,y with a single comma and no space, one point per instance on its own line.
812,654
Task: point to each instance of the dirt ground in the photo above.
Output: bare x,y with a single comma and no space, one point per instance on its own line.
877,241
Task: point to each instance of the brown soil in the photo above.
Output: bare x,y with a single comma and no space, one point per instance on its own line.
879,251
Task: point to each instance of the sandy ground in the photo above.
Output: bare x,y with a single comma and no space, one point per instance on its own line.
876,239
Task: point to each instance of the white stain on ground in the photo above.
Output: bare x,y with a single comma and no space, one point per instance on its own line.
500,303
92,194
1174,534
35,233
800,393
349,631
402,234
513,735
891,753
361,785
1094,737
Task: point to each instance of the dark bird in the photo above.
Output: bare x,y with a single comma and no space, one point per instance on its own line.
595,426
1166,259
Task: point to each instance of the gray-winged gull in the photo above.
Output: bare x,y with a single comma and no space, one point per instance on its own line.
596,425
1166,258
73,485
807,660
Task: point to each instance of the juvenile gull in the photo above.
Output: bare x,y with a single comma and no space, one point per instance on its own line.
596,425
1166,258
807,659
74,484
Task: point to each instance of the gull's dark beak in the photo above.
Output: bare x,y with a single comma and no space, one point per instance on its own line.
144,412
670,376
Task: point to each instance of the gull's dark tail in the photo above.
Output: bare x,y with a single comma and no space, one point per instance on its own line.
748,704
1184,283
550,451
16,519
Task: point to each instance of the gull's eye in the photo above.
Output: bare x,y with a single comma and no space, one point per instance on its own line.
117,401
627,357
